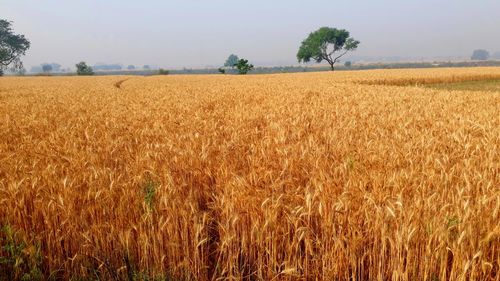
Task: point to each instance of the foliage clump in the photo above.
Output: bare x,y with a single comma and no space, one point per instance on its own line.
243,66
162,71
480,55
18,260
231,61
83,69
12,47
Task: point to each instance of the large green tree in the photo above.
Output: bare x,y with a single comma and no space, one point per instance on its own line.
326,43
12,47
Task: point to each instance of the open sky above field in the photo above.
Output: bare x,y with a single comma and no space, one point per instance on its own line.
195,33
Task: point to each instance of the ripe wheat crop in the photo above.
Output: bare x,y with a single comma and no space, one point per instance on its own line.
317,176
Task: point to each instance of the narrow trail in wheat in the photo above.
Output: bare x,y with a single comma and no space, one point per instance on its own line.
119,83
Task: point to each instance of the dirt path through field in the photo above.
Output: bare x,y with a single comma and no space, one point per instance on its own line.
120,82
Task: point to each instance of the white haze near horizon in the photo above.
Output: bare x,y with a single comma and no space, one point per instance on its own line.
196,33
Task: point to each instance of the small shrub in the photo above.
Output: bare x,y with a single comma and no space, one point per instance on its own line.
18,260
162,71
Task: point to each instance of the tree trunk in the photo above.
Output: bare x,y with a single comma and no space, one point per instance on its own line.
330,61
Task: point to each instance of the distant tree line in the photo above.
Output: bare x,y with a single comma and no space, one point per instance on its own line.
107,67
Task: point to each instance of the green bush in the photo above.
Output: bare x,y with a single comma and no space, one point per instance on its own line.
162,71
243,66
83,69
18,259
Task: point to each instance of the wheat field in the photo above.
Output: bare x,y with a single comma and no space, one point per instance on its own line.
361,175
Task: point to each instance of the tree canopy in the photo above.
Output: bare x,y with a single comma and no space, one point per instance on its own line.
328,44
243,66
12,47
83,69
480,55
231,61
47,68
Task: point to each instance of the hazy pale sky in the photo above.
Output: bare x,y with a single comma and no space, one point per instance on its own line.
199,33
